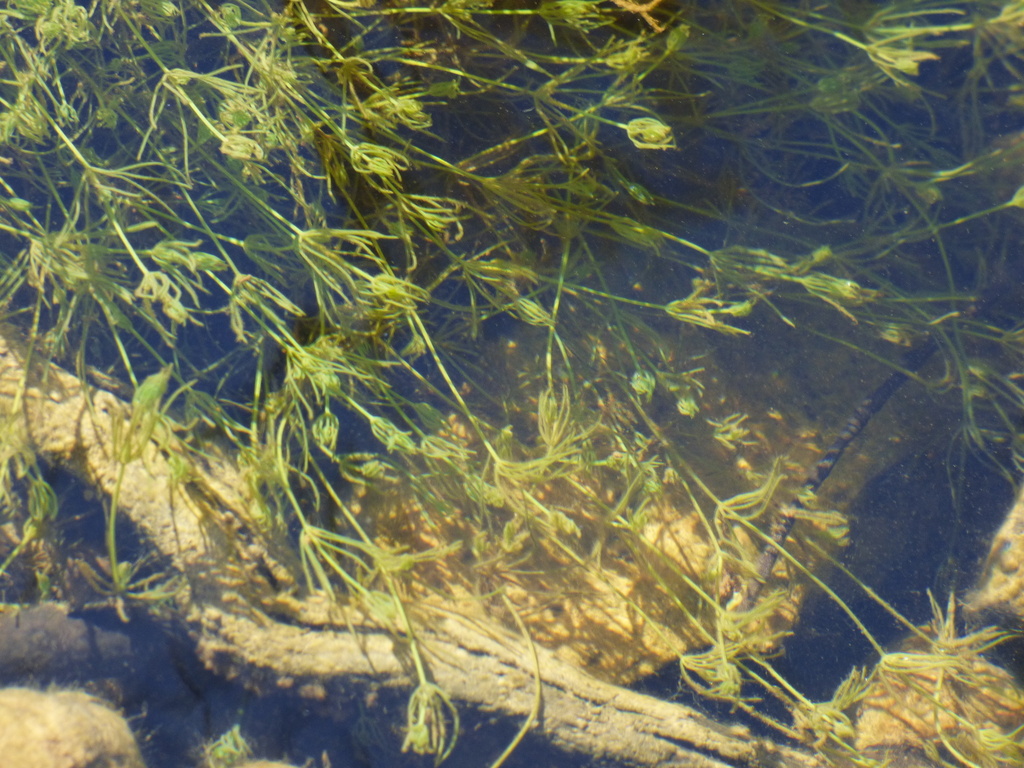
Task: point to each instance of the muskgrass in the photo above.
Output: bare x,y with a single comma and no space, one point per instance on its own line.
461,283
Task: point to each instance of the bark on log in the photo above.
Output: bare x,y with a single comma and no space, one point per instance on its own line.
240,603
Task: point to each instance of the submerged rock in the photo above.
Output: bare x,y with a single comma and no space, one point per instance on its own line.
63,729
1000,590
941,697
617,576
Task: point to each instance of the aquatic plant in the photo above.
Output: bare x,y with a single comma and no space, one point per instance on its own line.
466,287
228,750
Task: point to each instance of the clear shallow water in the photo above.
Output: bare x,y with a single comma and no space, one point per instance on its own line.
667,290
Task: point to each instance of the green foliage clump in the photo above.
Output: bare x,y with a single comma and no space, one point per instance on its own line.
480,253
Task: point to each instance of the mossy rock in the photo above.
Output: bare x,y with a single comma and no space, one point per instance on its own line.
63,729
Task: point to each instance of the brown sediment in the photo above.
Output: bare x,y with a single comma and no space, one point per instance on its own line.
616,600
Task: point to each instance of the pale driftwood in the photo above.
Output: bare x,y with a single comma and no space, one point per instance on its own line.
239,603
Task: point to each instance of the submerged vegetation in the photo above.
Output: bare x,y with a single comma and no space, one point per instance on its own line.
534,310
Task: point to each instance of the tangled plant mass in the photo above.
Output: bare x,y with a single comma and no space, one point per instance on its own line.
533,314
